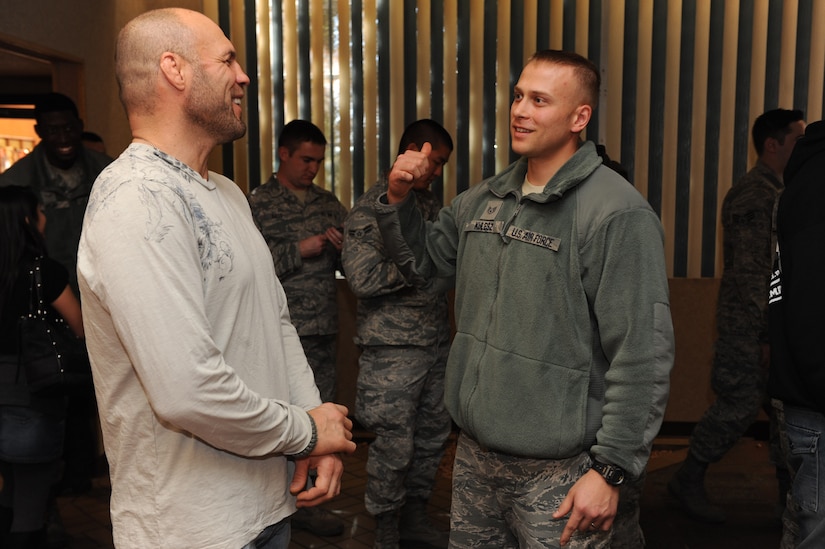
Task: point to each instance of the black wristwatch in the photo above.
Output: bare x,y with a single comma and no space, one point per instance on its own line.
613,474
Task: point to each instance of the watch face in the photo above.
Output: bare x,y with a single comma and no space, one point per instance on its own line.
616,475
612,474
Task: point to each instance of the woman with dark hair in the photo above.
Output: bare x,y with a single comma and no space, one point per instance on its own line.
31,425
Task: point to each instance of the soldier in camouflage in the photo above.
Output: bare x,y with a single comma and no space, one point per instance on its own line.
301,224
404,333
740,364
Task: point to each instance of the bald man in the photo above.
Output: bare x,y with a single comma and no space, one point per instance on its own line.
211,416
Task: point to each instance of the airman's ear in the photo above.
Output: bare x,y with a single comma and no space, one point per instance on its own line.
581,117
283,153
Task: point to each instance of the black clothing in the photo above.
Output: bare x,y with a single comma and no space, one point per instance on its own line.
797,321
55,277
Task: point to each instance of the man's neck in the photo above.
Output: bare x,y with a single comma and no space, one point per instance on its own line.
289,185
540,170
773,164
187,145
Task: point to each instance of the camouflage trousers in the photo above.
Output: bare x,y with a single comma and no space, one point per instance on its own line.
739,382
321,355
400,398
508,502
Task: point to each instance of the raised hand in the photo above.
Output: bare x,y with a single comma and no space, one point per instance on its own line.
408,167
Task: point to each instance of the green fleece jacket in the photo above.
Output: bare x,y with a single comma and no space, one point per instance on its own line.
564,338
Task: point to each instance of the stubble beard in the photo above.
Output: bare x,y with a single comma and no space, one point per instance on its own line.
207,110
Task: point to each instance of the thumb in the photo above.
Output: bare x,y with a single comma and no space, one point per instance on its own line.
299,479
427,148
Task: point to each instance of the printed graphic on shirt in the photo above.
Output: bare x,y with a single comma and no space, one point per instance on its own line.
775,285
775,289
213,244
168,202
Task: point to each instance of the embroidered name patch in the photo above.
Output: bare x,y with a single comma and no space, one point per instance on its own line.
523,235
531,237
483,226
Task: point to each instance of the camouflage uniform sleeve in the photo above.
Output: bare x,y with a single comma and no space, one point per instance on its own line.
747,220
341,214
370,271
283,245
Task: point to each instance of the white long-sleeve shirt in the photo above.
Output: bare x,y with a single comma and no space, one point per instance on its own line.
201,380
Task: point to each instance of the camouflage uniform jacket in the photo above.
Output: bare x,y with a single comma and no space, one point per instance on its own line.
748,217
309,283
391,311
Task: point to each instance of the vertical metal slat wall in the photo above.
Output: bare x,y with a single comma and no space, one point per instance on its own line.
683,81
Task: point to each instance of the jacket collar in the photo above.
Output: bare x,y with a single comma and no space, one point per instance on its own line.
768,174
578,168
282,190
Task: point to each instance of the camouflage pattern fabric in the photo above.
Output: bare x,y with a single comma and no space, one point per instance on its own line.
507,502
404,333
309,283
400,398
320,353
739,383
748,224
390,310
737,376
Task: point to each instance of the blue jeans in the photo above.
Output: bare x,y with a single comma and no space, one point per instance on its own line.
275,536
804,430
28,435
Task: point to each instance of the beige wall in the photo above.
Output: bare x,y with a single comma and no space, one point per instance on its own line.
85,31
693,306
